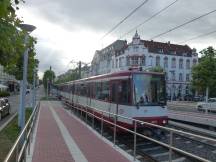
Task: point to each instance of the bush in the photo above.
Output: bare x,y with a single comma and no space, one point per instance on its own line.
4,94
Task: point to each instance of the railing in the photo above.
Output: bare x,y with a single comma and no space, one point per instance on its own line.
135,133
22,143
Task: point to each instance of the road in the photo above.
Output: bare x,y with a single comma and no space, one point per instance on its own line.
185,106
14,102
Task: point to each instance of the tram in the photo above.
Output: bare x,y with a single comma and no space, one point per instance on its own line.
134,94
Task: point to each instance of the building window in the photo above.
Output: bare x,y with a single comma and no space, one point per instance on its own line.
143,61
128,61
120,62
160,50
188,64
173,76
116,63
150,60
165,62
166,76
194,61
181,64
187,90
113,64
173,62
180,77
158,61
136,48
187,77
135,60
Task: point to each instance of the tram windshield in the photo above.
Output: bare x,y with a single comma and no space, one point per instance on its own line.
149,89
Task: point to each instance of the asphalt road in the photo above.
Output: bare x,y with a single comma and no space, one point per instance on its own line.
14,102
186,107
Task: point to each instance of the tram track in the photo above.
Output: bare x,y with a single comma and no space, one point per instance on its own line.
153,152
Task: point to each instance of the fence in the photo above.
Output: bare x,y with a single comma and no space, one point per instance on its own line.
22,143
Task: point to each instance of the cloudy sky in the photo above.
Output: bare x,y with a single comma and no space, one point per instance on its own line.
71,29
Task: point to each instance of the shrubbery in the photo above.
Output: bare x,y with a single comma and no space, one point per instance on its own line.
4,94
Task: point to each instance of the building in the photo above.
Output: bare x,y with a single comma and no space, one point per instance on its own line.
8,80
176,61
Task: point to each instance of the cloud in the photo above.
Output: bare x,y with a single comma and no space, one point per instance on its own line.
71,29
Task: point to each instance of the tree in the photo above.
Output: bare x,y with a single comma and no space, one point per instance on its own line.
12,45
156,69
48,76
204,73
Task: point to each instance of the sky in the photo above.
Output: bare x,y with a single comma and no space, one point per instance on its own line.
71,30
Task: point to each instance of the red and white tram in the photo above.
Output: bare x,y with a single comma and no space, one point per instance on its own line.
134,94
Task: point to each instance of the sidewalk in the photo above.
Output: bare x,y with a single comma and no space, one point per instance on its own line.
61,137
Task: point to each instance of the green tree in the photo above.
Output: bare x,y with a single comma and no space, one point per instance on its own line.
204,73
12,45
49,75
157,69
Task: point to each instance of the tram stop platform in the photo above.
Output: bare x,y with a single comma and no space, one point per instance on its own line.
60,136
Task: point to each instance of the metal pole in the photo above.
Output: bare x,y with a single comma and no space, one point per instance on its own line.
135,131
47,90
171,143
114,140
102,124
34,90
20,106
86,115
22,102
93,119
207,92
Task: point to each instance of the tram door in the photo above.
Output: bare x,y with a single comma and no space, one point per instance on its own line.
114,86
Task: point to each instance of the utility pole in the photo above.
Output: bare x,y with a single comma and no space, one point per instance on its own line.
79,69
34,89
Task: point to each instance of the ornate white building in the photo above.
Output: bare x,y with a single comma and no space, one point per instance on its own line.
176,60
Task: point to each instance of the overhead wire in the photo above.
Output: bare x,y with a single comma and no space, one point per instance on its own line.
150,18
199,36
181,25
125,18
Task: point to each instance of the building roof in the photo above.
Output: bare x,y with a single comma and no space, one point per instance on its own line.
167,48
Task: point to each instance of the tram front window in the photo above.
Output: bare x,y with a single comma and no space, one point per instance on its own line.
149,89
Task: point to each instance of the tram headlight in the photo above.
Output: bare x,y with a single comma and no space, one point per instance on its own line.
164,121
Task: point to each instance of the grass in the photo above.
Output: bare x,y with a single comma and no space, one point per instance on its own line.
9,135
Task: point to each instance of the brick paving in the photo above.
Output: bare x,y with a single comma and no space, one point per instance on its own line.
94,149
50,145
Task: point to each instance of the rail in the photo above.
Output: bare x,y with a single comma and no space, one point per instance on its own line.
135,133
18,150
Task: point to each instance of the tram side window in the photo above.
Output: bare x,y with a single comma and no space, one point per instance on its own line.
73,89
124,92
77,89
92,90
121,92
97,90
114,94
83,90
104,91
88,90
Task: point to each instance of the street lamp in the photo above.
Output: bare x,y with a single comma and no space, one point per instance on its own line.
21,117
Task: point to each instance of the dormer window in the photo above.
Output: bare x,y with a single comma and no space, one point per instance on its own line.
160,50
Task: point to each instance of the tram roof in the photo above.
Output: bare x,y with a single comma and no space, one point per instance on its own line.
115,74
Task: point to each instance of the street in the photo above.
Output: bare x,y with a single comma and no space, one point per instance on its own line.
14,102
